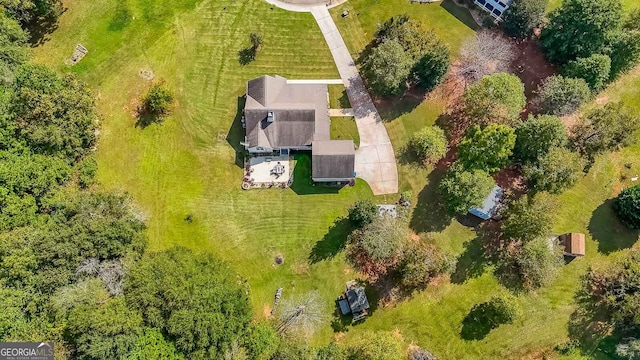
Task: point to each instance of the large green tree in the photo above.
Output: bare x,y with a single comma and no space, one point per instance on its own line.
538,263
556,171
580,28
195,298
13,47
387,68
430,144
528,218
488,148
463,190
497,98
56,116
523,16
536,136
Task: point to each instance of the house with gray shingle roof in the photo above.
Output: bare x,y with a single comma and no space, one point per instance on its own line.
280,117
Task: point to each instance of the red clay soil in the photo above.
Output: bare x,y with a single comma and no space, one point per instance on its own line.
532,68
511,181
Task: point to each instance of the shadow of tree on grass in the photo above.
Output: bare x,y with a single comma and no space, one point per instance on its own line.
611,234
333,242
246,56
430,213
236,133
471,263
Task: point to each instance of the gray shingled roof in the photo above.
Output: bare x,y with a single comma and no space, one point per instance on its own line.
301,112
331,159
357,299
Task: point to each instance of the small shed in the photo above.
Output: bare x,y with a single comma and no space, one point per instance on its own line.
574,244
354,301
490,205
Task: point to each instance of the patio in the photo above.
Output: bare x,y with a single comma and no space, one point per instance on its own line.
267,171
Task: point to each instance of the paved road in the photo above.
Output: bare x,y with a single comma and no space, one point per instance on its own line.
375,159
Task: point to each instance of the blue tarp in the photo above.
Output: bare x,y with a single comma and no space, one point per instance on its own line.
489,206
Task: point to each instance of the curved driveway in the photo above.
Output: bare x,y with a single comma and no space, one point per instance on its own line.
375,159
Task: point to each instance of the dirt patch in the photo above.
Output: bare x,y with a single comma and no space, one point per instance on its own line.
146,74
300,269
266,311
602,100
531,66
512,181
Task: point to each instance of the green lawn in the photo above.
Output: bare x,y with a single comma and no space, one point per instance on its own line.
188,165
344,128
338,98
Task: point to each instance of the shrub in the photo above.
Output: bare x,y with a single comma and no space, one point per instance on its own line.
463,190
496,98
256,41
627,206
562,96
594,70
624,51
362,213
538,264
431,69
430,144
421,262
87,170
387,68
487,149
630,349
383,239
557,171
523,16
536,136
377,345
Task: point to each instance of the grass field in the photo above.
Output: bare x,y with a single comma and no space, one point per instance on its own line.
188,165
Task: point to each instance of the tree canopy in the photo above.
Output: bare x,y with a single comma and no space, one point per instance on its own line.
627,206
464,189
536,136
430,144
559,95
594,70
528,218
487,149
523,16
557,171
580,28
387,68
496,99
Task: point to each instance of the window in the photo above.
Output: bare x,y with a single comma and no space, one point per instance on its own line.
497,12
502,4
490,7
482,2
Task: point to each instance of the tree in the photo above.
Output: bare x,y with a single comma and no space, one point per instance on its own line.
523,16
431,69
362,213
387,68
421,262
301,315
430,57
463,190
56,116
261,341
430,144
538,264
579,29
377,345
256,41
496,99
195,299
157,102
152,345
528,218
484,54
557,171
27,11
624,51
605,129
630,349
487,149
383,240
627,206
13,44
536,136
594,70
562,96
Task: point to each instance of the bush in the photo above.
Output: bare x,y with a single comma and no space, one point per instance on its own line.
383,240
528,218
463,190
536,136
624,51
496,99
630,349
387,68
430,144
420,263
157,101
487,149
431,69
523,16
557,171
605,129
596,20
594,70
377,345
627,206
87,170
362,213
562,96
